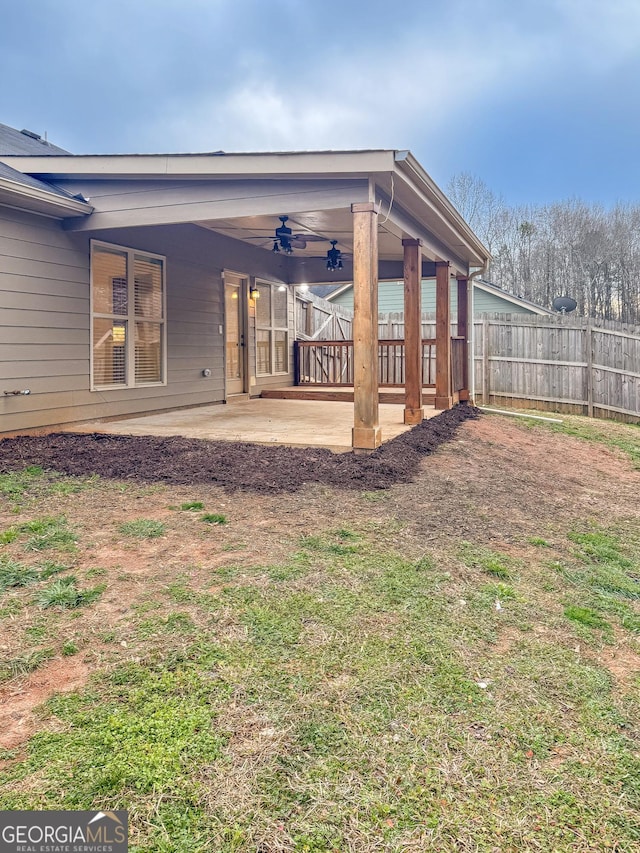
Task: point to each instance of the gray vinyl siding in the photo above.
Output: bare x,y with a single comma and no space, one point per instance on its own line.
45,319
44,329
391,298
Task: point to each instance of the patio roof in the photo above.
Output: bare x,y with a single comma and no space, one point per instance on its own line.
241,195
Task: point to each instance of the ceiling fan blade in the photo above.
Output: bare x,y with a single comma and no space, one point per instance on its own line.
311,238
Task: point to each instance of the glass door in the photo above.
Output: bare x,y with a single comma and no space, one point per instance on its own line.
235,292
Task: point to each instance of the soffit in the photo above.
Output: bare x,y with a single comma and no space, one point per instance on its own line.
318,226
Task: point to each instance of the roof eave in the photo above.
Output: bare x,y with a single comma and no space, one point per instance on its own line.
411,168
41,201
195,166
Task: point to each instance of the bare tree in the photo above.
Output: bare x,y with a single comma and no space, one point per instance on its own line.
480,207
570,247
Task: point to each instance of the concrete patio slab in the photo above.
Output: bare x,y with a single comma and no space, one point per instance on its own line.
298,423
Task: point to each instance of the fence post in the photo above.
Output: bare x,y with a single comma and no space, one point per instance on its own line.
485,361
589,359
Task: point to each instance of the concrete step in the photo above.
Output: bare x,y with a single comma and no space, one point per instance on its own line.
344,395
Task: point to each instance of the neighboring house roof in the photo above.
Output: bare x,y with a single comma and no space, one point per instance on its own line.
488,287
324,290
14,141
332,292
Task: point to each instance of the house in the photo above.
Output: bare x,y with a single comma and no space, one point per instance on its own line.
140,283
487,298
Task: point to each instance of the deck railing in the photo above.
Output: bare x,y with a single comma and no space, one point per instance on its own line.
331,363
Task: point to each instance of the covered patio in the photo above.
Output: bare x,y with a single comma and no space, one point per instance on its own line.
213,221
294,423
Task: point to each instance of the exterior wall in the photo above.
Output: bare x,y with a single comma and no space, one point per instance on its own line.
45,319
391,298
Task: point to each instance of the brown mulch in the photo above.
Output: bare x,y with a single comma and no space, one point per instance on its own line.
233,465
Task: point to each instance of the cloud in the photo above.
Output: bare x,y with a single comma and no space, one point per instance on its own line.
378,84
377,98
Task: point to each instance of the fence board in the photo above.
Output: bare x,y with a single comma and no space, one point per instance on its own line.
577,363
318,319
590,365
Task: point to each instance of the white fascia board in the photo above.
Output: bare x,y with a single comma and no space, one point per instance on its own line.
41,201
307,163
437,200
331,296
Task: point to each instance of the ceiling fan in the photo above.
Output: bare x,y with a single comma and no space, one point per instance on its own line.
285,240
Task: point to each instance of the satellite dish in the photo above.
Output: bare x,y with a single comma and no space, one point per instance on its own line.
564,304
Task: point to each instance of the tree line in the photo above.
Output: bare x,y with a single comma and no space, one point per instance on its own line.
568,248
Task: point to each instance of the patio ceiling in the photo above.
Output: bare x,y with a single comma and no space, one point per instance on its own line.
318,226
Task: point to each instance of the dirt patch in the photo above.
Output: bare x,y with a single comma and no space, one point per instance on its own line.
623,663
20,697
233,465
500,482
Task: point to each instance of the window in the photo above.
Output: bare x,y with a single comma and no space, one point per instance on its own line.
272,330
128,334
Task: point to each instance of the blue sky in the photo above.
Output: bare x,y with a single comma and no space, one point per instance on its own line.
538,98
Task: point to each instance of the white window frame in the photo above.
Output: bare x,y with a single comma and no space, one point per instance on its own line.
130,319
273,328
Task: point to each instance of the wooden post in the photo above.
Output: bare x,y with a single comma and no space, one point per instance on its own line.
413,412
486,367
588,345
444,395
366,428
463,331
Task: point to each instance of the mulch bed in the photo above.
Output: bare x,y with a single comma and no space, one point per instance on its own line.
233,465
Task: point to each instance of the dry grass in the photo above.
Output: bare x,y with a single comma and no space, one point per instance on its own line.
289,681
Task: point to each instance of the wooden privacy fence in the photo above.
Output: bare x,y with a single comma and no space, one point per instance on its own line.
317,319
569,364
331,363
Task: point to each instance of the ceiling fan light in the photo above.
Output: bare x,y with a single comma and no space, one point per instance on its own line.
276,248
334,260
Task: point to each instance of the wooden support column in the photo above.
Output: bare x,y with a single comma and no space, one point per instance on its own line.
413,412
463,331
366,428
444,395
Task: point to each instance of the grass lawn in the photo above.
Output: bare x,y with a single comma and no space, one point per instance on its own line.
452,665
